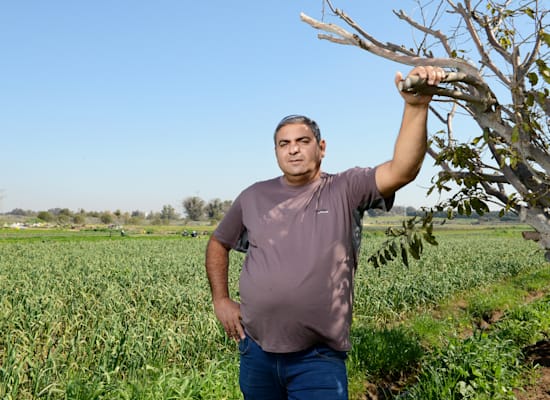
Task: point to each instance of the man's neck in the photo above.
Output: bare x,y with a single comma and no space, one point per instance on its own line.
301,180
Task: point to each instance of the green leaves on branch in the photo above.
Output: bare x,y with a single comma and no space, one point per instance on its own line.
405,241
408,240
465,202
543,70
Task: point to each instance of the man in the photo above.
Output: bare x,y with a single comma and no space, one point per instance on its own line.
301,232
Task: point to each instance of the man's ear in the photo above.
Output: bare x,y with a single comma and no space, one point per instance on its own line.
323,147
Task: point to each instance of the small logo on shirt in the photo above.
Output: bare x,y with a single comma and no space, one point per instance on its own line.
322,211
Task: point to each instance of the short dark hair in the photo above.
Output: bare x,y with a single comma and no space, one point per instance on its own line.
299,119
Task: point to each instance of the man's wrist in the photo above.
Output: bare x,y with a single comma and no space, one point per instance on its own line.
220,299
418,106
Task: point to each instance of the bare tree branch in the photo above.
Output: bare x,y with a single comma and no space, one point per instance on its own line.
486,25
533,54
485,177
414,84
438,34
346,37
485,59
499,194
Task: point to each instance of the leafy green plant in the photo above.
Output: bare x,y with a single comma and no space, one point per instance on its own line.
405,241
487,365
408,240
130,317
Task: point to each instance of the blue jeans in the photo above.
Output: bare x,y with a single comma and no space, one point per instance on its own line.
317,373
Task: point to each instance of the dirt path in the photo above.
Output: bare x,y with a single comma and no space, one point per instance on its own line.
538,354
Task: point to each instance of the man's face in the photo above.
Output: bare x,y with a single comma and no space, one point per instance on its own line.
298,154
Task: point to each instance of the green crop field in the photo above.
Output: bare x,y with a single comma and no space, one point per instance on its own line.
88,317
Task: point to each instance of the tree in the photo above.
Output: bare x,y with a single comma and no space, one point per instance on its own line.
214,209
64,215
18,212
168,213
125,217
194,207
45,216
79,219
106,217
505,92
136,217
138,214
226,205
154,218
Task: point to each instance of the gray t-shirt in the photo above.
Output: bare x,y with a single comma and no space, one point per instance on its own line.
302,243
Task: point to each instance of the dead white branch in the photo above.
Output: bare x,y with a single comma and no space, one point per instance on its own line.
345,37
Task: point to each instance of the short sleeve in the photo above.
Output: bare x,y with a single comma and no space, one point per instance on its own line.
363,192
231,230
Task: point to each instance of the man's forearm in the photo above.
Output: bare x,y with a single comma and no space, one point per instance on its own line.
217,267
227,311
410,146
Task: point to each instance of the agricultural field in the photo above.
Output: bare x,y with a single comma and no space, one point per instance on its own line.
91,316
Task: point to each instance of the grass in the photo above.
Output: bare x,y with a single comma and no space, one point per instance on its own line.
109,319
101,232
90,316
486,364
446,353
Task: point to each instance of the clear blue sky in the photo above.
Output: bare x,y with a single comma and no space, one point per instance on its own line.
134,104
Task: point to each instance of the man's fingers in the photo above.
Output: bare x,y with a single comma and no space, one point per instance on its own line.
228,313
240,332
234,329
435,75
398,78
432,75
235,332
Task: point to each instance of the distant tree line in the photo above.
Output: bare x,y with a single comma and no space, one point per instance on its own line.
411,212
196,209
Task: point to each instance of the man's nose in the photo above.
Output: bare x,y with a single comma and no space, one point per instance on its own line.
294,148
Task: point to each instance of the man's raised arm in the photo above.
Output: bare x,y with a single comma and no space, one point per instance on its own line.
410,146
